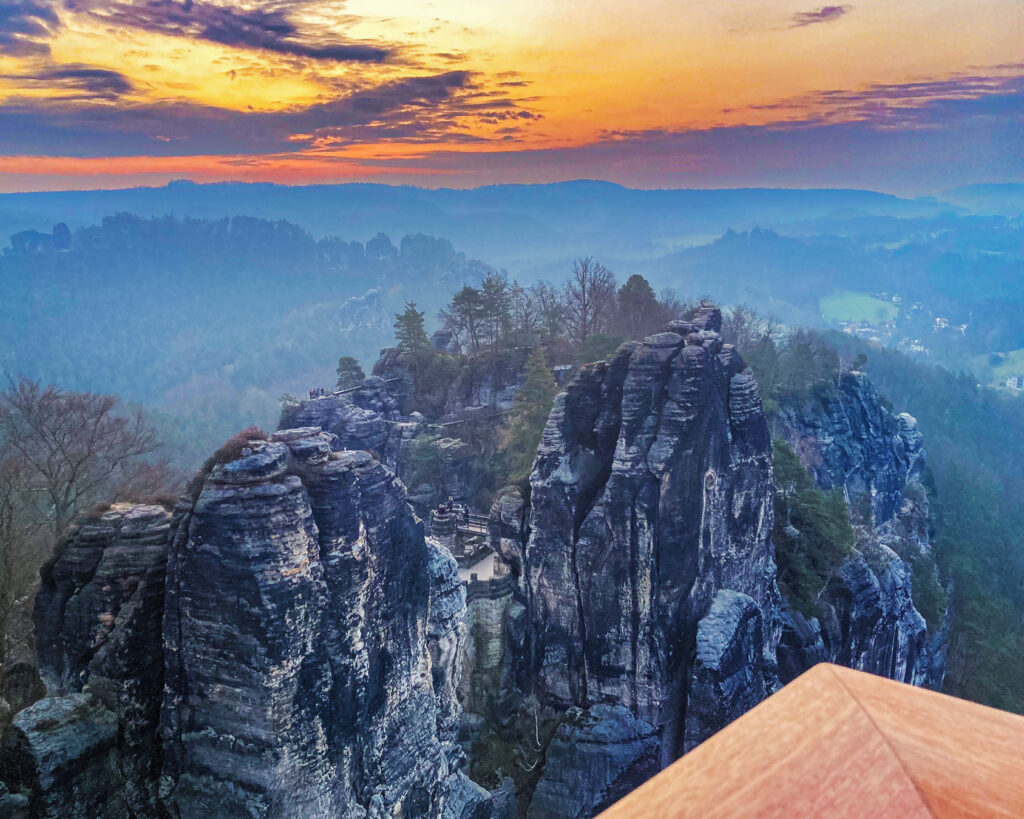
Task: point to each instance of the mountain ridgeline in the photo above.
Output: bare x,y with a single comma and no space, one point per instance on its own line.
288,640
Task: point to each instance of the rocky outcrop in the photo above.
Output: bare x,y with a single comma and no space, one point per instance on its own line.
726,680
643,562
366,418
326,701
850,441
98,632
869,621
289,644
485,380
64,752
460,469
594,757
488,379
651,493
364,315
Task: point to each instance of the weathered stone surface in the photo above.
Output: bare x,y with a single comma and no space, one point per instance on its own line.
595,758
485,380
850,441
643,563
446,639
309,690
869,622
13,805
461,470
490,379
63,751
355,426
651,493
92,588
726,681
363,419
98,629
288,644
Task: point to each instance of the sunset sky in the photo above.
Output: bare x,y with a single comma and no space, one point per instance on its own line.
910,96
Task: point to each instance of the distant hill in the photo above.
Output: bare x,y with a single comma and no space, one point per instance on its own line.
1005,198
521,226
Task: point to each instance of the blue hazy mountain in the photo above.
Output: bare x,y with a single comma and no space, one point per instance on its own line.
506,224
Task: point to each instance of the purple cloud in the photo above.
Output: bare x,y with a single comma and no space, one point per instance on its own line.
826,14
245,28
24,27
80,82
429,108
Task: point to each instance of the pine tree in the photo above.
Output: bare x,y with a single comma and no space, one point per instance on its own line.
409,330
496,301
350,374
464,316
639,313
522,432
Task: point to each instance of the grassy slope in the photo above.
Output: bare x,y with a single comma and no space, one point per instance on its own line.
848,306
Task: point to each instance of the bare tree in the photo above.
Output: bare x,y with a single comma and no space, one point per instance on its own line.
24,542
551,309
59,453
526,313
76,448
589,299
746,329
670,303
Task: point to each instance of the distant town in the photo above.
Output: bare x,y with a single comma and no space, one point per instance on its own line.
917,330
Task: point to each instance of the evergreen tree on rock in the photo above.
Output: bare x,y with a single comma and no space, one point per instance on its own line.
522,432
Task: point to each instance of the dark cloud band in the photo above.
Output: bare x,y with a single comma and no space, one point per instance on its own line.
428,108
25,26
246,28
80,81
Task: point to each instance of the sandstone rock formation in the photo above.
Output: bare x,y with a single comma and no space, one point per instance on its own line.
850,441
651,493
646,572
287,645
98,634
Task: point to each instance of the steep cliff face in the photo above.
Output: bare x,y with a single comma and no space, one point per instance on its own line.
645,567
89,748
287,645
650,495
850,441
487,380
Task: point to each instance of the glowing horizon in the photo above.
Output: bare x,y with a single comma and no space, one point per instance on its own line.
457,93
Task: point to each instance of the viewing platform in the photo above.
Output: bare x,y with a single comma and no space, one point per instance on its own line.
467,536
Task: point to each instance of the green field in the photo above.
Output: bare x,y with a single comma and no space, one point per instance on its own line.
1012,364
848,306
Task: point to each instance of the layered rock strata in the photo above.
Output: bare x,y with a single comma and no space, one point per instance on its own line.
850,441
288,644
651,493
